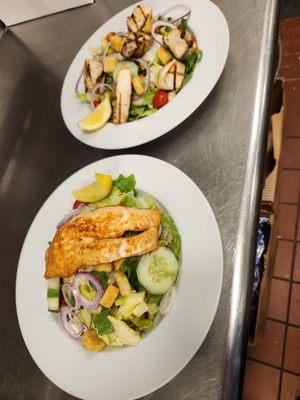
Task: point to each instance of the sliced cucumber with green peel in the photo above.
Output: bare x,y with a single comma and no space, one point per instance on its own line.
53,294
157,271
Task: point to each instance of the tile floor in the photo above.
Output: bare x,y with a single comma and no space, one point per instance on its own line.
273,365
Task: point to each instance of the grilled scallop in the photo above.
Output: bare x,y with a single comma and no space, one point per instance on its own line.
178,42
136,44
138,17
92,73
123,94
171,76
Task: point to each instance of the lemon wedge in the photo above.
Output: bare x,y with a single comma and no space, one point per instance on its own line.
96,191
97,118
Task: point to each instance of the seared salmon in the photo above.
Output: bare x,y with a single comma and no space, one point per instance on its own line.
64,258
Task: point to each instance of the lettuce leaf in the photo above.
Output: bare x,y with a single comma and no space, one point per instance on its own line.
102,323
191,61
125,184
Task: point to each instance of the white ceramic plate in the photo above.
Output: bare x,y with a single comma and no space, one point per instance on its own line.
211,30
131,372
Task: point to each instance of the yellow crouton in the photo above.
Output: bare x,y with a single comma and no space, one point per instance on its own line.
109,297
164,55
148,24
92,342
107,267
137,85
123,283
117,264
110,63
116,43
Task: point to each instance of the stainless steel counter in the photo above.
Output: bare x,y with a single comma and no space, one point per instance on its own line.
221,147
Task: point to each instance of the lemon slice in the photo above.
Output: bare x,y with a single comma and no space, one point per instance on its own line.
96,191
97,118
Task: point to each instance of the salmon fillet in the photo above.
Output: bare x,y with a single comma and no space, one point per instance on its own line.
108,222
64,258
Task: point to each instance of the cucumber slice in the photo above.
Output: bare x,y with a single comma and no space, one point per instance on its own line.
133,68
53,294
157,271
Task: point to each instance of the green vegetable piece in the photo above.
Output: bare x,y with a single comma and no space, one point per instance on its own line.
129,266
183,24
101,276
170,236
190,61
120,301
110,80
144,325
152,298
102,323
153,308
82,97
125,184
115,198
52,293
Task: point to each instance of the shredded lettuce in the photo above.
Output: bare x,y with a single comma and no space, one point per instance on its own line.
170,236
102,323
190,61
131,303
125,184
123,335
82,97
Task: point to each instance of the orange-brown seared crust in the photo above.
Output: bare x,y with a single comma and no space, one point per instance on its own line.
65,258
94,237
108,222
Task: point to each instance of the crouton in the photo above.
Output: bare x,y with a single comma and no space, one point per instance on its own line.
109,297
117,264
137,85
148,24
92,342
107,267
116,43
164,55
110,63
123,283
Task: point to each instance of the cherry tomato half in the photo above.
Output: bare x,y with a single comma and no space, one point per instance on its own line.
160,99
96,102
77,204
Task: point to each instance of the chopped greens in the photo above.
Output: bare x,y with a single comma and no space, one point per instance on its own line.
82,97
183,24
190,61
129,266
170,236
125,184
102,276
102,323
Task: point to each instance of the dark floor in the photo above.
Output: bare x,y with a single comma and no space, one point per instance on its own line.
290,9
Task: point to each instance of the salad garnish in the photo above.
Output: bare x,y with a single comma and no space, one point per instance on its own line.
112,266
133,74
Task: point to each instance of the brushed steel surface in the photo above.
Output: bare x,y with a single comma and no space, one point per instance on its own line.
220,146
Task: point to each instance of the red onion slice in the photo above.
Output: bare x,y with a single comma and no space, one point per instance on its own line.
69,291
185,16
78,81
102,87
167,301
159,24
70,216
187,11
147,68
105,52
72,324
88,278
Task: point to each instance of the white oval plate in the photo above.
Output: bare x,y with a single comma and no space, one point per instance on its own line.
131,372
212,33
